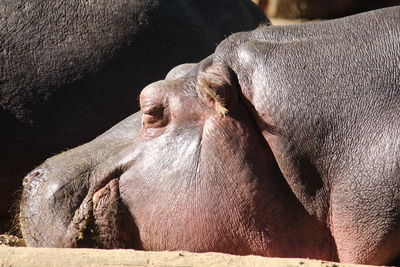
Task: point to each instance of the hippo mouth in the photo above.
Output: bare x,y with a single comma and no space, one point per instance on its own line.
102,220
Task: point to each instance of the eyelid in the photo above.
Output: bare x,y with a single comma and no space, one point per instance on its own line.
151,108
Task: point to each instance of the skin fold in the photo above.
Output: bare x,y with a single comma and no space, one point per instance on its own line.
283,143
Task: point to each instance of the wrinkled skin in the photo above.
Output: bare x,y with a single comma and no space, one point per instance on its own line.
69,70
304,162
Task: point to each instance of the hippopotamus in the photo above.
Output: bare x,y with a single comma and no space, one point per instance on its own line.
72,69
284,142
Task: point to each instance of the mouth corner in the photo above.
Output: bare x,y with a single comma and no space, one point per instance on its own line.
77,233
98,222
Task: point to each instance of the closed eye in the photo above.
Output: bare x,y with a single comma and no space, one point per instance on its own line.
154,116
152,108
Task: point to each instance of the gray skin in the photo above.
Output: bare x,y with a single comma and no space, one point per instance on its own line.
284,143
69,70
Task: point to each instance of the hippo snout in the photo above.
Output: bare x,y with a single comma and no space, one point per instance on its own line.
73,199
44,203
72,212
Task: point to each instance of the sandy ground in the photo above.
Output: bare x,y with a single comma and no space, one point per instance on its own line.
12,253
31,257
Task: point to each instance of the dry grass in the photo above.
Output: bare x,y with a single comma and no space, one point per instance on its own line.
11,241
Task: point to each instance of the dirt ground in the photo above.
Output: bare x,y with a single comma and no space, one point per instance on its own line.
31,257
13,253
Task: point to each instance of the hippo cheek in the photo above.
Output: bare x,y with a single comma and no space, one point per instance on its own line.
158,209
155,191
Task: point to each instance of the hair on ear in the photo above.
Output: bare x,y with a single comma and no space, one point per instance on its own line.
209,86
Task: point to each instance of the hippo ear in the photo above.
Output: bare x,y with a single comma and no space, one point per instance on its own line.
214,87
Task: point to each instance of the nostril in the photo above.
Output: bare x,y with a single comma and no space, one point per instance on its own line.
34,177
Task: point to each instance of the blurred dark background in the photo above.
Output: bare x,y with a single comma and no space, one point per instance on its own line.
319,9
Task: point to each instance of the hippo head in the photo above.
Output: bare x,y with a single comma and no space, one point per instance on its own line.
190,172
187,172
